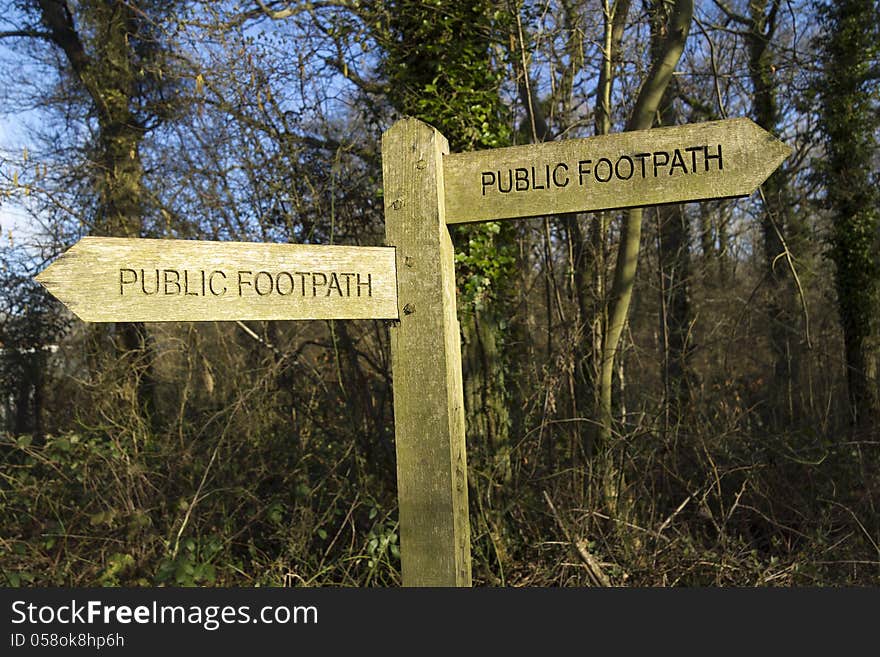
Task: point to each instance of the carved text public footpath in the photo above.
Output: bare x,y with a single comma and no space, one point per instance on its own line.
243,283
656,164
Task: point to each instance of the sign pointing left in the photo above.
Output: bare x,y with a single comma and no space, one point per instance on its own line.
107,279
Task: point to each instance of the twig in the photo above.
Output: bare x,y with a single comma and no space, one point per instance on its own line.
594,568
859,523
672,515
247,329
790,261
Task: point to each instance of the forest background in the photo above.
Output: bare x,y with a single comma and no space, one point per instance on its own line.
685,395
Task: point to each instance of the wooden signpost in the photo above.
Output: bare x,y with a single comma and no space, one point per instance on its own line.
425,188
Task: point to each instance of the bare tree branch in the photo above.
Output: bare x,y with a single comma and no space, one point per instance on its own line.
736,18
304,7
25,34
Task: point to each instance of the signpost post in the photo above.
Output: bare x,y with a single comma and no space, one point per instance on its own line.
426,363
425,188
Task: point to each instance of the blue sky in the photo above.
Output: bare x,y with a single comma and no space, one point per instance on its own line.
13,218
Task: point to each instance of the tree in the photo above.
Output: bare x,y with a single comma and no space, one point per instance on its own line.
438,65
641,117
848,106
113,52
782,230
676,315
30,324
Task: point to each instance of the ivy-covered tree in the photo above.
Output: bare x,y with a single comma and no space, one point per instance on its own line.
849,96
437,61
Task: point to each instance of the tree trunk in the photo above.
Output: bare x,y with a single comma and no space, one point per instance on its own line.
778,229
488,418
591,262
849,121
676,317
642,118
110,77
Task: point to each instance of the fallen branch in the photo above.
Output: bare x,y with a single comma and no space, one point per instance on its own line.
593,566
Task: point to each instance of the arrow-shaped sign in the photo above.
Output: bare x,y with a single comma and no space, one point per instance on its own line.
105,279
695,162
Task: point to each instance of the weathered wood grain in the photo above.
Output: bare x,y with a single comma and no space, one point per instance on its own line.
628,169
426,363
105,279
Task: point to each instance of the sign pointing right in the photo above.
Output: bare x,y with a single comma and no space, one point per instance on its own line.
695,162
